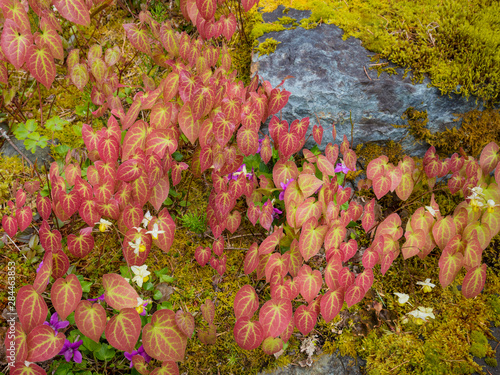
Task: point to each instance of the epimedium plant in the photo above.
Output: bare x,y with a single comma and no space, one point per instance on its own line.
199,104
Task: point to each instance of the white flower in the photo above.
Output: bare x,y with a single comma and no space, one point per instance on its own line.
141,274
155,232
491,205
137,246
427,285
431,210
147,218
422,313
103,225
477,190
402,298
127,279
138,229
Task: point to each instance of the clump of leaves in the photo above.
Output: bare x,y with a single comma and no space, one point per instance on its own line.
194,222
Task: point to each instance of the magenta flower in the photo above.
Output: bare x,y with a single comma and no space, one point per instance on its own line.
39,267
100,298
276,213
284,186
55,323
140,352
241,170
341,167
70,350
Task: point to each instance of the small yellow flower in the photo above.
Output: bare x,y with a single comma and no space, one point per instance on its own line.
137,246
147,218
155,232
141,274
421,314
491,205
426,285
476,204
431,210
103,225
402,298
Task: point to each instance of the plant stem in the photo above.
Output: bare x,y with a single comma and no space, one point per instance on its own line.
41,107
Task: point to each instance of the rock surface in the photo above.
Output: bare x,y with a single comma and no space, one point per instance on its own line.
331,81
324,365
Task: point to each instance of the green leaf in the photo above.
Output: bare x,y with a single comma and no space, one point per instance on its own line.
148,286
81,110
55,123
86,286
62,149
77,129
184,204
177,155
173,193
340,178
105,353
91,344
168,202
163,271
165,305
129,101
157,294
31,145
21,132
31,125
71,318
64,369
315,150
34,136
125,272
167,279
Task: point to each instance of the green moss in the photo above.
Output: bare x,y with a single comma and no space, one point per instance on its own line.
479,344
10,170
267,47
478,128
260,28
492,362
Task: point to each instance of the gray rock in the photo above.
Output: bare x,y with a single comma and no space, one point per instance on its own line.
324,365
330,81
41,155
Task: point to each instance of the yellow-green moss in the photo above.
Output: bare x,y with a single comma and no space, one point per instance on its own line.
267,47
10,170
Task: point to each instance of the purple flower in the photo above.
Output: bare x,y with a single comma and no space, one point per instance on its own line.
276,213
55,323
241,170
284,186
70,350
341,167
39,267
140,352
141,309
100,298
